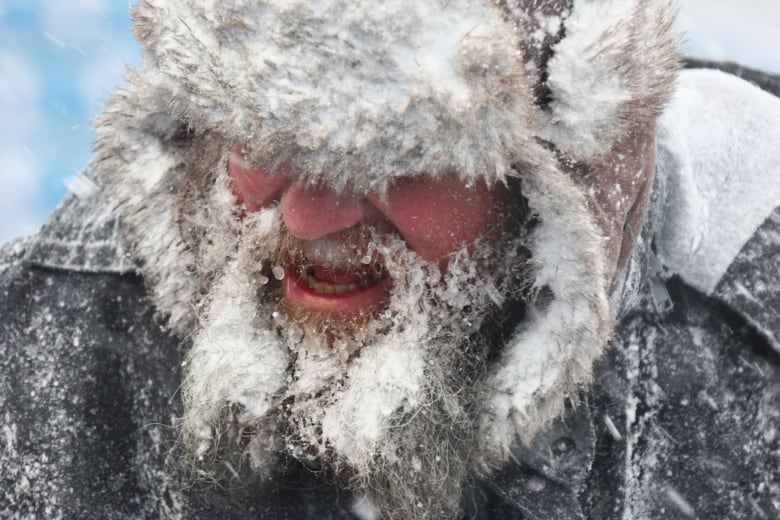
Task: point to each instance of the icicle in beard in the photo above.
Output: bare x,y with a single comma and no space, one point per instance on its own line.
386,405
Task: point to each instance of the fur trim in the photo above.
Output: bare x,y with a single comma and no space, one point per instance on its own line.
613,72
338,87
549,359
139,169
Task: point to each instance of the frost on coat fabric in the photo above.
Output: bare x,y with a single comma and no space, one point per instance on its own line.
89,390
85,388
690,400
691,409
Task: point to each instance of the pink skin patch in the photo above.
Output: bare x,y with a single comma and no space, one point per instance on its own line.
434,216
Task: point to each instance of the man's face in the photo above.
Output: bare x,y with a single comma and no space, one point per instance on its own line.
347,329
435,217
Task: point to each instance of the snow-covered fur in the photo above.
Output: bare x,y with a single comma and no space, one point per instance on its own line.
338,87
613,71
359,94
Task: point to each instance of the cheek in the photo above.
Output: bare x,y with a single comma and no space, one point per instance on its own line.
254,188
437,217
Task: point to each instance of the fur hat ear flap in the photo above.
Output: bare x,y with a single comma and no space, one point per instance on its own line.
613,71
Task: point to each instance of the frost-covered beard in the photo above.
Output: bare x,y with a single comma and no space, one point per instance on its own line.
387,406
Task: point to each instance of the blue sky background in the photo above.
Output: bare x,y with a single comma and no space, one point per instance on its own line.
59,59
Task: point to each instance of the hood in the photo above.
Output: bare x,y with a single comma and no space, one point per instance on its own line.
562,95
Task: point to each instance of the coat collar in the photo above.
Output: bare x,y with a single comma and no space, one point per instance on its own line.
750,286
83,235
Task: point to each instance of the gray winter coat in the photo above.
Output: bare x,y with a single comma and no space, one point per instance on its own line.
683,420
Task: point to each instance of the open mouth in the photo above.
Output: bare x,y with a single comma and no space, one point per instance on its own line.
348,291
339,281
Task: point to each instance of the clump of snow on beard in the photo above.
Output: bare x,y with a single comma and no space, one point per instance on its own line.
395,419
236,364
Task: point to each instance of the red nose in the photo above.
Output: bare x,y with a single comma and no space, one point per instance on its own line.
311,213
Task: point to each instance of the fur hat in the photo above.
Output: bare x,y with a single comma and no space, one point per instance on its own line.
562,94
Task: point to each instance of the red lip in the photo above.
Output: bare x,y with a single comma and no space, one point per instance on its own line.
343,292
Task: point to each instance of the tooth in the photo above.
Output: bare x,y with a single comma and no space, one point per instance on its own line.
367,278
